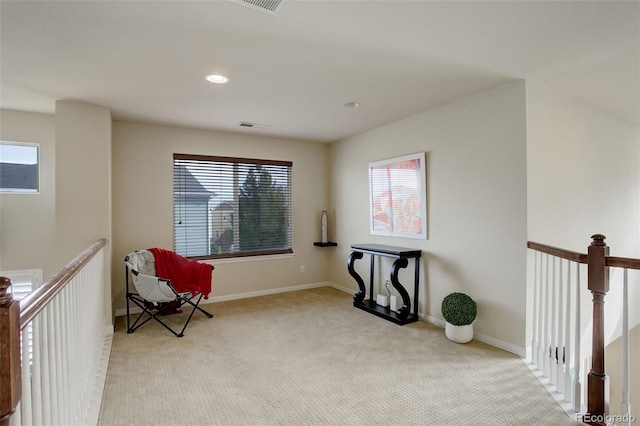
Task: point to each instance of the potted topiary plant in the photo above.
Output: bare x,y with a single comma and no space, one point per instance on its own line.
459,311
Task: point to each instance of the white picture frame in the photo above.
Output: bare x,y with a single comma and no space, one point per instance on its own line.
397,196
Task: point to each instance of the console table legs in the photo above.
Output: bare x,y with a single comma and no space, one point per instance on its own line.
403,315
359,296
404,311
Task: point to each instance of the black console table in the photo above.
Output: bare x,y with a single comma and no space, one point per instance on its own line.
402,256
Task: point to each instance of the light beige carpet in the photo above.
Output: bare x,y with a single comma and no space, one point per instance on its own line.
311,358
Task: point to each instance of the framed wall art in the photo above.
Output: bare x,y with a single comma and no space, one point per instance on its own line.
397,197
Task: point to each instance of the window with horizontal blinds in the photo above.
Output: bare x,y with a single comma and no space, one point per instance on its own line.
231,207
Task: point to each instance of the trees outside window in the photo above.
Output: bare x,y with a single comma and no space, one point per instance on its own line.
248,203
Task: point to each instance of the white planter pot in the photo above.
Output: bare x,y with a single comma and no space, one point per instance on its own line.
459,333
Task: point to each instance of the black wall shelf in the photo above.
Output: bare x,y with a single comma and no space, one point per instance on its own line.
327,244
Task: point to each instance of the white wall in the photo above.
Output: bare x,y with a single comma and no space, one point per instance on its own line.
143,202
476,199
73,209
83,175
27,222
83,184
494,181
583,174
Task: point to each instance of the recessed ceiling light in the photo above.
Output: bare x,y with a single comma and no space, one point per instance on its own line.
216,78
351,105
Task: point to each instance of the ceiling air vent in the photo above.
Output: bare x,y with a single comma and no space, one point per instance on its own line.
272,7
248,125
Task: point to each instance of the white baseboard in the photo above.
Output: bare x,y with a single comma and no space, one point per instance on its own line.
497,343
344,289
432,320
266,292
247,295
500,344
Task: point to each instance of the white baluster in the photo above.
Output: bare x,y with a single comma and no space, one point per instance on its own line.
553,346
45,390
36,382
625,406
66,372
74,352
577,386
567,339
66,352
534,333
546,344
62,372
26,415
541,304
85,341
52,369
560,330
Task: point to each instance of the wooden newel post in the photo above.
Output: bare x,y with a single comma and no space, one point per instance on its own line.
598,284
10,373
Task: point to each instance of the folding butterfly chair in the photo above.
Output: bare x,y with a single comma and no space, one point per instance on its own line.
155,296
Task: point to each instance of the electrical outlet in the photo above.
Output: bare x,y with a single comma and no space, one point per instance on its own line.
302,268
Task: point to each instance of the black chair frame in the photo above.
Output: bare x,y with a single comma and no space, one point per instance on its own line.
152,311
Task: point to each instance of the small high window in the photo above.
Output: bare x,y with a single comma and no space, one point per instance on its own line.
19,168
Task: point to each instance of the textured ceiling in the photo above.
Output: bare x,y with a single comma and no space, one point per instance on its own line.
146,60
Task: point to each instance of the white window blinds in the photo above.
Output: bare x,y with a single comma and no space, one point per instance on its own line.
229,207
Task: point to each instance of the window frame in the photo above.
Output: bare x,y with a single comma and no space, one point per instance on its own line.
177,157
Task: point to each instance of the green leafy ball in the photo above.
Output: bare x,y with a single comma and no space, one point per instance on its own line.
459,309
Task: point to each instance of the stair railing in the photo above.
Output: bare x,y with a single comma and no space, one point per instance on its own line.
556,306
51,343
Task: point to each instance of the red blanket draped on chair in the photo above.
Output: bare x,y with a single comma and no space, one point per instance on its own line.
186,275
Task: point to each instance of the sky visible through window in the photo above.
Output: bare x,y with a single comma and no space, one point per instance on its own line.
18,154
